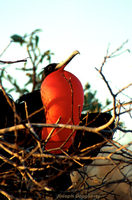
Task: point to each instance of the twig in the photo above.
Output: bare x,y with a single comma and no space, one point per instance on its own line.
68,126
12,62
6,48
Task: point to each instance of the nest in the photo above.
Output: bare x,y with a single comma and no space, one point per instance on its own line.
28,171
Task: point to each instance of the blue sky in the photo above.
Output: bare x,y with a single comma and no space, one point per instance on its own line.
84,25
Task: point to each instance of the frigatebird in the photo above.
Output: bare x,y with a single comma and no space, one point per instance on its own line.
32,103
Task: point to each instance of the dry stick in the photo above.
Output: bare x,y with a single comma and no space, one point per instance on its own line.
26,112
68,126
33,180
118,169
6,48
70,84
24,178
62,127
12,62
127,150
29,124
15,121
67,139
118,49
59,148
35,112
12,146
50,134
126,111
81,165
93,146
34,67
122,147
122,105
123,88
34,133
108,173
79,157
118,118
11,152
10,197
8,160
123,130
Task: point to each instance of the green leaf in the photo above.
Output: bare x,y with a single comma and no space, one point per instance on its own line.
9,77
2,72
36,30
87,86
25,64
36,40
12,89
18,38
30,81
28,74
107,102
25,35
42,57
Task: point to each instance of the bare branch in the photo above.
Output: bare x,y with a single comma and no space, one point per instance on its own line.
12,62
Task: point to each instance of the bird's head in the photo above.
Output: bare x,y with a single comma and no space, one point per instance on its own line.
58,66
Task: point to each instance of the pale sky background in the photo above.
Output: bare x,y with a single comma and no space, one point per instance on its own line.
68,25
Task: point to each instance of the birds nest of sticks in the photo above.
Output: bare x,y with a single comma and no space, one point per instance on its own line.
29,171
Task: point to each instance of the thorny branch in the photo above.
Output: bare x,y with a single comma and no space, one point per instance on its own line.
30,169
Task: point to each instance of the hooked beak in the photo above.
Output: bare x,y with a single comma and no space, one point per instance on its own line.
62,64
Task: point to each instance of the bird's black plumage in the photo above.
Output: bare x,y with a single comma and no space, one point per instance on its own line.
48,70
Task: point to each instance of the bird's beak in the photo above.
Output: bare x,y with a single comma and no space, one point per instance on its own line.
62,64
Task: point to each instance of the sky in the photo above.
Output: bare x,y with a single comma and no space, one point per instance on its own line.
85,25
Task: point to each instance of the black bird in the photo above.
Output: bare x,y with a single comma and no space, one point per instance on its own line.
35,110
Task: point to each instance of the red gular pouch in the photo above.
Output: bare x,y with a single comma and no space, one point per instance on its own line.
62,96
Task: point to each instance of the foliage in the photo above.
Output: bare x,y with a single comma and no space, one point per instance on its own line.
36,57
91,103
